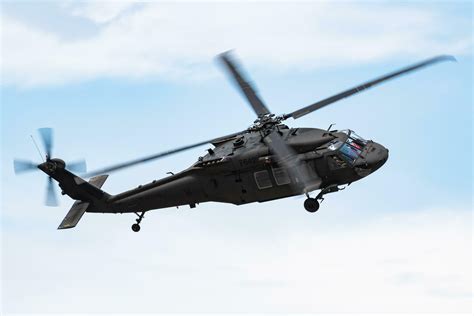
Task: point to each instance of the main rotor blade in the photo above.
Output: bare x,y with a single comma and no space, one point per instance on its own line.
289,160
51,198
46,134
316,106
244,85
20,166
157,156
77,166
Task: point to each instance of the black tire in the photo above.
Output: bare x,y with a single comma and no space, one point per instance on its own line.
311,205
136,228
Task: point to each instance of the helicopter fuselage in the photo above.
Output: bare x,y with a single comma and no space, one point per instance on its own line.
243,170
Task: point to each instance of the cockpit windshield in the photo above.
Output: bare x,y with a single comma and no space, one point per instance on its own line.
350,150
357,138
353,135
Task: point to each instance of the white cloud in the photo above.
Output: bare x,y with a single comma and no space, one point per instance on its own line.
176,41
210,261
98,11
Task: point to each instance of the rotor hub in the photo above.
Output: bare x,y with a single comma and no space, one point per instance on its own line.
266,122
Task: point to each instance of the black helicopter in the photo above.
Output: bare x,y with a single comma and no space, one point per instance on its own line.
267,161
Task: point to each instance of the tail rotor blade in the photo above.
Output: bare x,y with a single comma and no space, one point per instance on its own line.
77,166
21,166
51,197
46,134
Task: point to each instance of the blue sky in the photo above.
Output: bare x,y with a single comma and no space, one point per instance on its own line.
120,80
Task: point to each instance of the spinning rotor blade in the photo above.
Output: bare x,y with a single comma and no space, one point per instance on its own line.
51,197
156,156
244,85
20,166
316,106
289,160
77,166
46,134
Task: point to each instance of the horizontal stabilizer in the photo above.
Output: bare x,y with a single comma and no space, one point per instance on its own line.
80,207
74,215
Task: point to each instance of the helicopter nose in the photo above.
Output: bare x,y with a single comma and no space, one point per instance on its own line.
375,157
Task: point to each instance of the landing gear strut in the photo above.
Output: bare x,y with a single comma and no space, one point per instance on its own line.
312,204
136,227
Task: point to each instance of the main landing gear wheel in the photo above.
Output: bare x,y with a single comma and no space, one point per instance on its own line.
136,227
311,205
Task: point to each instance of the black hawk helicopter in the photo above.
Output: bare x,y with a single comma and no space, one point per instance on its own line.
267,161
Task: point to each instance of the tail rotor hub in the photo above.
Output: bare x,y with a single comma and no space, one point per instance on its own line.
51,166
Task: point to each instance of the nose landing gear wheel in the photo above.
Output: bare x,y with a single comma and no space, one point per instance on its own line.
311,205
136,228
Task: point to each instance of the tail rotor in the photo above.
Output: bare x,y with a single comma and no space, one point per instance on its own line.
46,134
21,166
51,194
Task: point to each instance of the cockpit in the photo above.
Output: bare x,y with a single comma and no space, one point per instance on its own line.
351,148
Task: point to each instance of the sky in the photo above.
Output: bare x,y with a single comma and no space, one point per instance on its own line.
121,80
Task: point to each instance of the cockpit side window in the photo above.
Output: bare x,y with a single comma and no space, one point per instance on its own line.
355,143
334,145
349,152
351,149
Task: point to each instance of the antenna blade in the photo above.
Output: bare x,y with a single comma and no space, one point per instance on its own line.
46,134
51,197
316,106
244,85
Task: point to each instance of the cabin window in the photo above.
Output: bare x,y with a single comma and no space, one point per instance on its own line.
281,176
262,178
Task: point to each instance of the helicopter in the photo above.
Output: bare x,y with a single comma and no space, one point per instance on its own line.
266,161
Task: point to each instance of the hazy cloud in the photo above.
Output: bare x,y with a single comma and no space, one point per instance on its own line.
98,11
179,41
412,262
